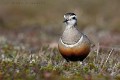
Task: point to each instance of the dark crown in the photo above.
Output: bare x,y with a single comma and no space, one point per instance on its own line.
70,14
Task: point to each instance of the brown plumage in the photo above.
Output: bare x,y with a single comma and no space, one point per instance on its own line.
73,45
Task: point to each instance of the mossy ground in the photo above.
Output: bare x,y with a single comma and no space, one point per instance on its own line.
47,63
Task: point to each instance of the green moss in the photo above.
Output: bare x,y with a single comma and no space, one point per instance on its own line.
21,65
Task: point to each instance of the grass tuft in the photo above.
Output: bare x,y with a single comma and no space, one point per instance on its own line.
47,63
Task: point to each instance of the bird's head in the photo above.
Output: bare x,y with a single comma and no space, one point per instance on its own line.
70,19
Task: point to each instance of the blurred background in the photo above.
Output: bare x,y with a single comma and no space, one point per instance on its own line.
35,23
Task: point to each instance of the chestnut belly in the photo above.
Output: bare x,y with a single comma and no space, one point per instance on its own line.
77,53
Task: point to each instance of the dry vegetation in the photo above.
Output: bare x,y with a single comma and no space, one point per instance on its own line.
21,64
29,31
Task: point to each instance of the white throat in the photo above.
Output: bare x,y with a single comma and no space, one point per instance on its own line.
69,26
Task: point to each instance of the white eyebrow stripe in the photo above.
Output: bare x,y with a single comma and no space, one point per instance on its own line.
64,16
72,45
73,16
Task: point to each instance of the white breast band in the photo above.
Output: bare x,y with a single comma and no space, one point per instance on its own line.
72,45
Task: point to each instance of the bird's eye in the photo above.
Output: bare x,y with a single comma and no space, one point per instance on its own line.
73,18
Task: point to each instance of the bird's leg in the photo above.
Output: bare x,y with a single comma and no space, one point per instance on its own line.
67,60
82,63
67,63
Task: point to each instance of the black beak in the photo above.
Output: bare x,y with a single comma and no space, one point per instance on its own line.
65,20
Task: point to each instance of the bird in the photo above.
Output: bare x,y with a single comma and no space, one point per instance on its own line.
73,45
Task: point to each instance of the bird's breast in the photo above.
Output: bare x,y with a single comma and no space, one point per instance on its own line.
71,36
82,49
